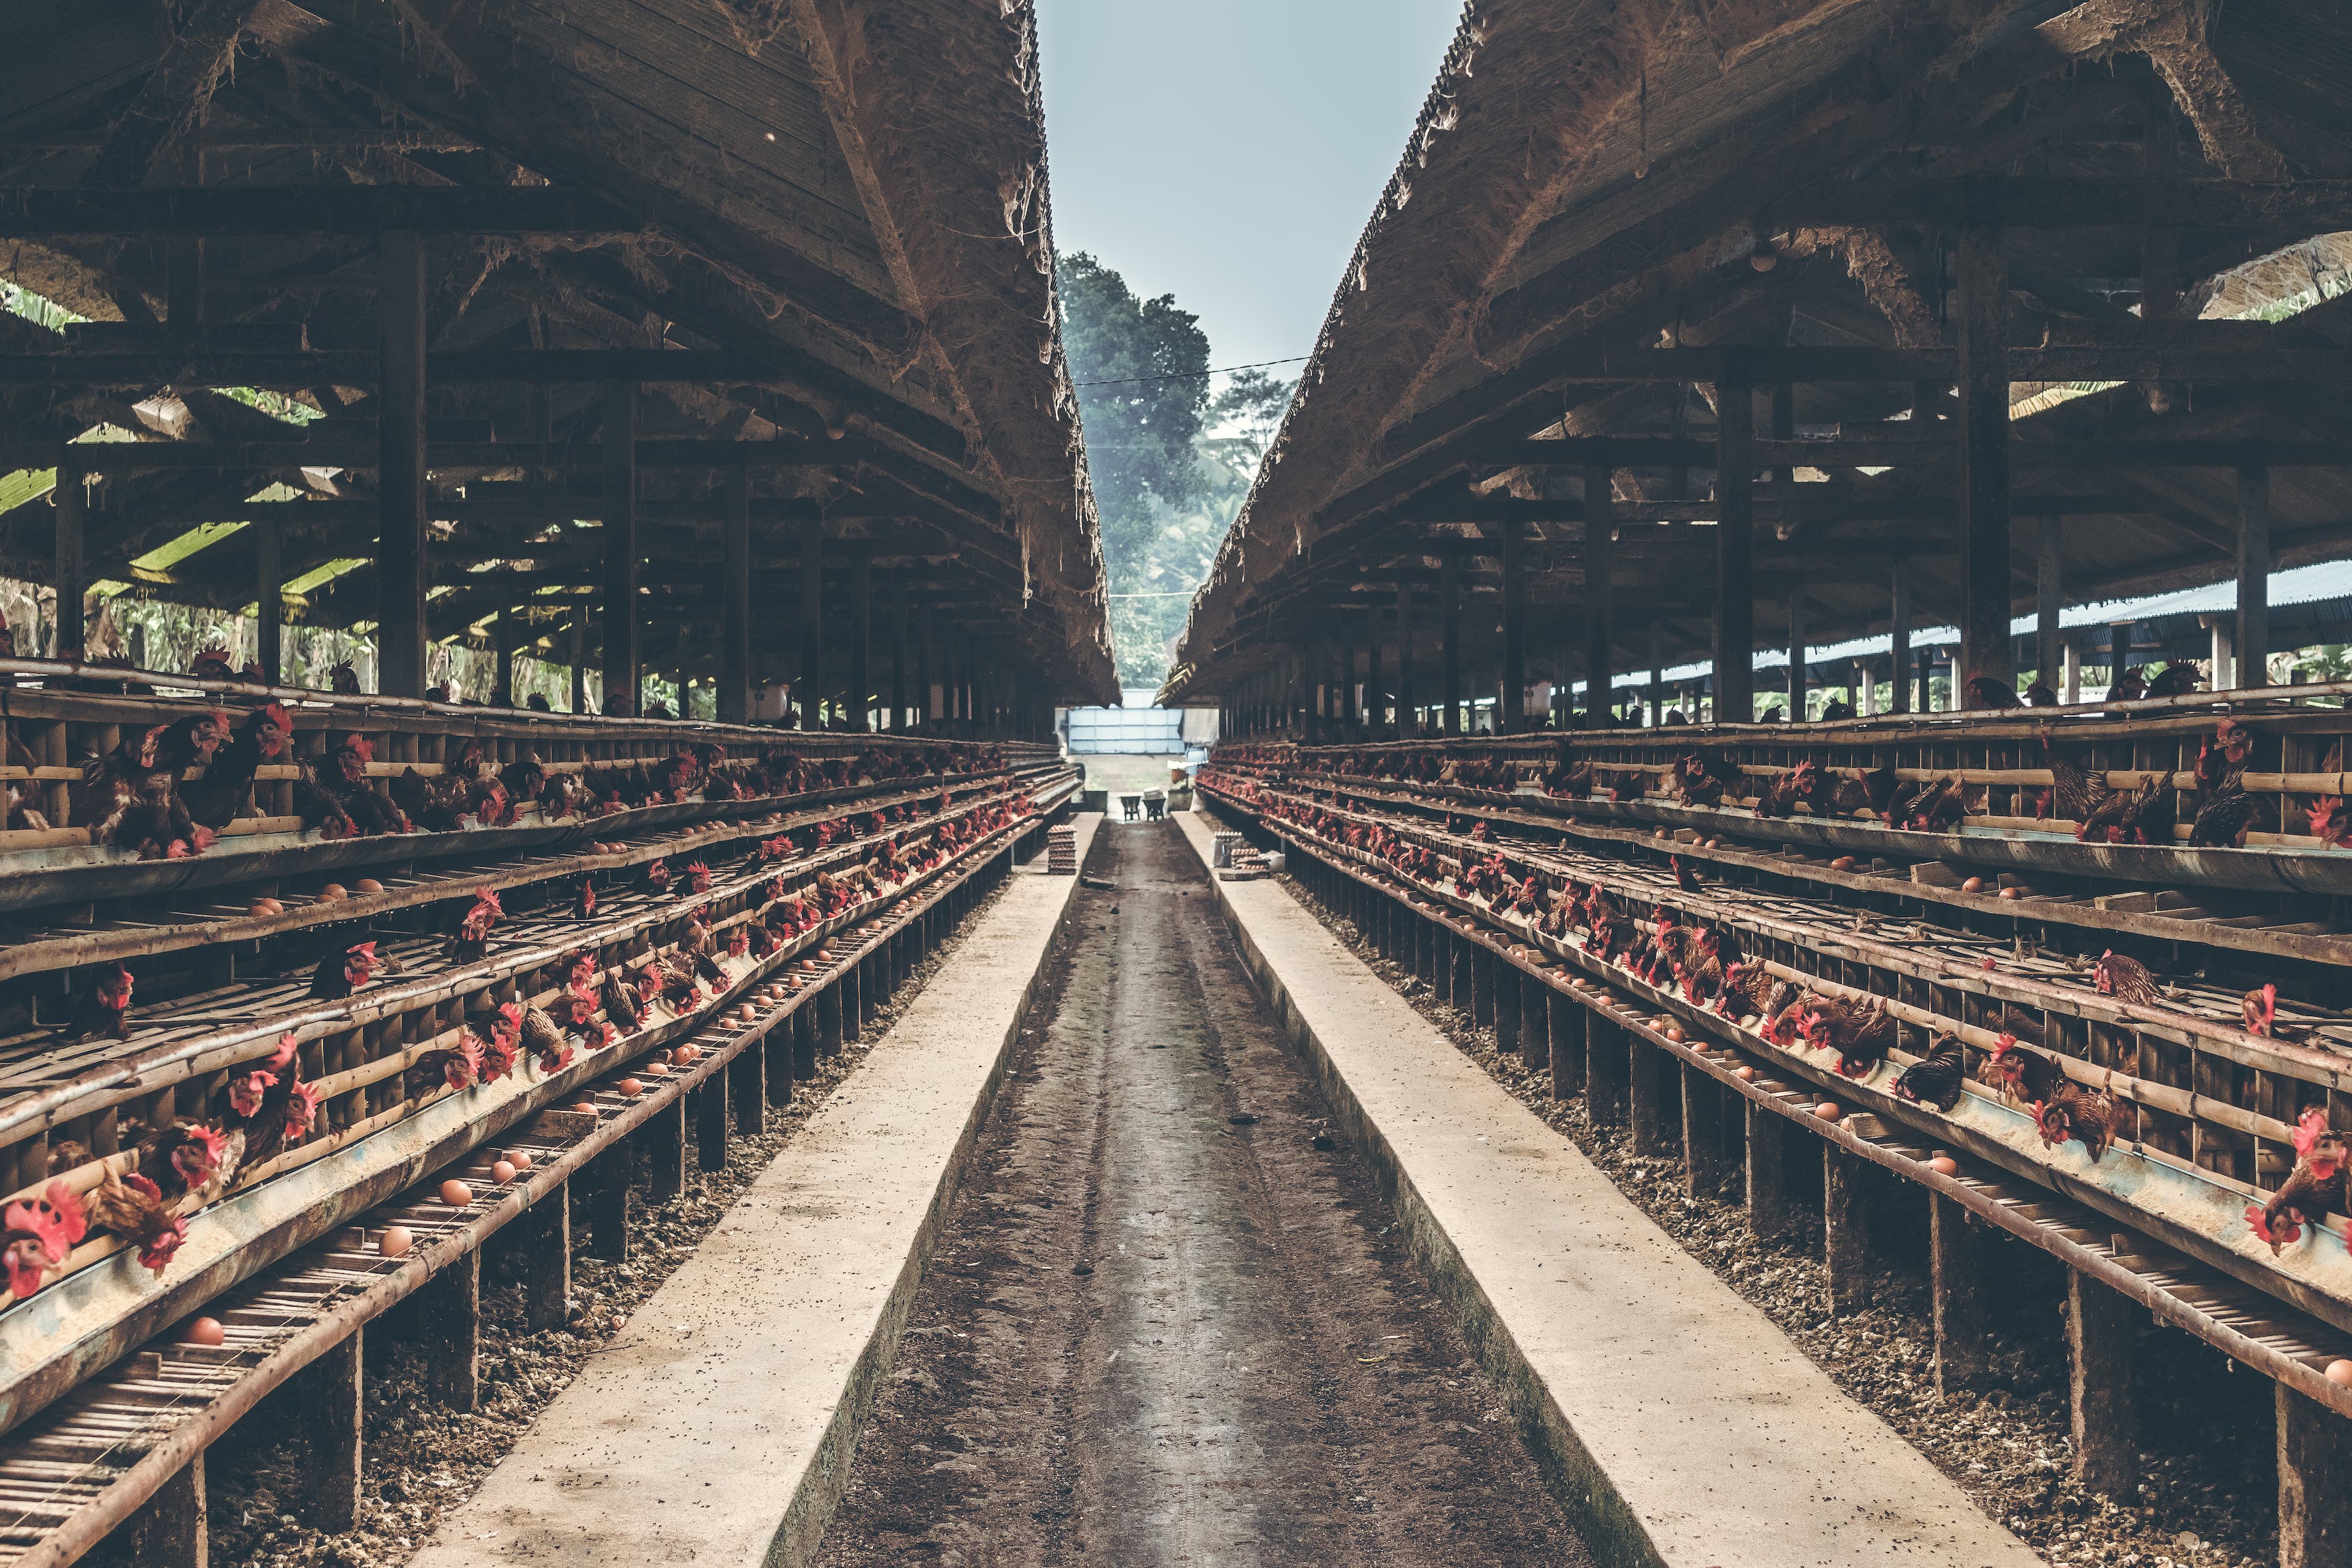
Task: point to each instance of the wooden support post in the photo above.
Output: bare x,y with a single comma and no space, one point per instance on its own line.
624,675
1735,544
1506,1004
1462,988
608,1203
778,1073
269,599
544,1234
735,597
1408,717
1956,1284
2253,576
449,1331
401,579
805,1041
1604,1069
1982,285
927,706
1769,1215
1644,1110
1449,607
710,1123
1702,1132
2315,1507
1567,1018
1845,1228
1482,965
2049,599
830,1022
861,640
578,660
898,708
1797,673
2101,1326
1899,615
664,1138
1535,1024
1510,710
328,1406
72,581
809,682
170,1529
1657,676
746,1086
1600,629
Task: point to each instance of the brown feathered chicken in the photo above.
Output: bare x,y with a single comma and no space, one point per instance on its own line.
226,788
2127,980
472,940
105,1007
1861,1031
550,1048
1701,777
134,1208
2320,1185
2022,1077
2088,1116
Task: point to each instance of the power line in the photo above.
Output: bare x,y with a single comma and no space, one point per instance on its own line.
1191,374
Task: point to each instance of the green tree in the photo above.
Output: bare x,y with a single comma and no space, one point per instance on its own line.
1170,463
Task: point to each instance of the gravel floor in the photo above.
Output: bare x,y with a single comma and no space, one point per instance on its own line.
421,1460
2207,1497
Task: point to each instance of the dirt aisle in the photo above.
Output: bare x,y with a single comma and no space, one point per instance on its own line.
1163,1326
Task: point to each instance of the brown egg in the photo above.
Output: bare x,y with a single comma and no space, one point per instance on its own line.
687,1056
1944,1166
455,1194
504,1171
519,1158
629,1089
1843,863
1714,843
1675,1032
1973,885
747,1012
332,892
395,1241
658,1070
205,1332
2012,893
367,885
1744,1073
263,907
2340,1371
585,1107
1829,1110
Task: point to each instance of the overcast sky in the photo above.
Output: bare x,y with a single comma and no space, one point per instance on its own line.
1228,151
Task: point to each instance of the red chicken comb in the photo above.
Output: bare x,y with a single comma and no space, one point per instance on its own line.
279,717
511,1016
287,1047
55,1219
2288,1232
219,716
2001,1046
360,747
2309,1129
208,1147
301,1109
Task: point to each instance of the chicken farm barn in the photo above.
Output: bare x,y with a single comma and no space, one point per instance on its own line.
1551,1102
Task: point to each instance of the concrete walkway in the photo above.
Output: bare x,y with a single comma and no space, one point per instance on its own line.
715,1429
1689,1428
1170,1323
